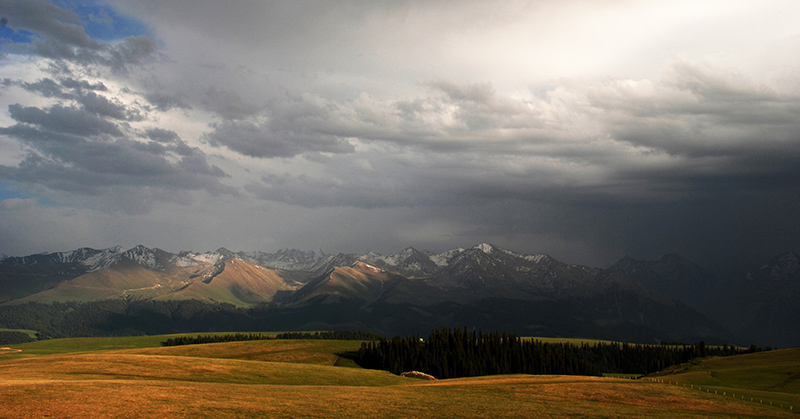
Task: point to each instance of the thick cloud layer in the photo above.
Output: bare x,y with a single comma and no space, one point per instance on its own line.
587,130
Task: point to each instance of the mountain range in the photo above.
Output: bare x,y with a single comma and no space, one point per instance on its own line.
483,286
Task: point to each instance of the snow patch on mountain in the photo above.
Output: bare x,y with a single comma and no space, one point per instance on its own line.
103,259
783,266
390,260
183,261
144,257
372,257
443,259
535,258
415,266
287,259
92,259
401,257
485,248
78,255
207,257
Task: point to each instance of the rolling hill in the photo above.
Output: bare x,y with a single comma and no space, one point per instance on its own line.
765,377
134,377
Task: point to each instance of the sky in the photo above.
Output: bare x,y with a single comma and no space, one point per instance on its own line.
586,130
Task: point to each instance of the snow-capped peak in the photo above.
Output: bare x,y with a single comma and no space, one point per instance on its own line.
485,248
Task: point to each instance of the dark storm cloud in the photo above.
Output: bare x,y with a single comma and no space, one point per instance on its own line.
380,181
309,192
83,84
162,135
100,105
72,163
228,104
80,151
82,92
266,141
131,50
46,87
172,141
64,120
719,133
699,111
451,118
670,165
696,134
83,145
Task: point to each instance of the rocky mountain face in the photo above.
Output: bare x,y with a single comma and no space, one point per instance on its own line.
763,303
23,276
673,276
760,305
139,273
413,292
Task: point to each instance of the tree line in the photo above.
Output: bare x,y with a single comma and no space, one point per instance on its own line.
129,318
462,353
119,317
13,337
200,339
331,335
240,337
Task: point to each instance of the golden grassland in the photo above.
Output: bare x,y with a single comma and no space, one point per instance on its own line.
135,377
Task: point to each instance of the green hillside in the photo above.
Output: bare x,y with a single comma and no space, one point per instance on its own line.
765,377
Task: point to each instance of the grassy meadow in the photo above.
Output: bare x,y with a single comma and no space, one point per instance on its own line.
31,333
136,377
765,377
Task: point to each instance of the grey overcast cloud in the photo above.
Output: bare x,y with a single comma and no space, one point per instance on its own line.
587,130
